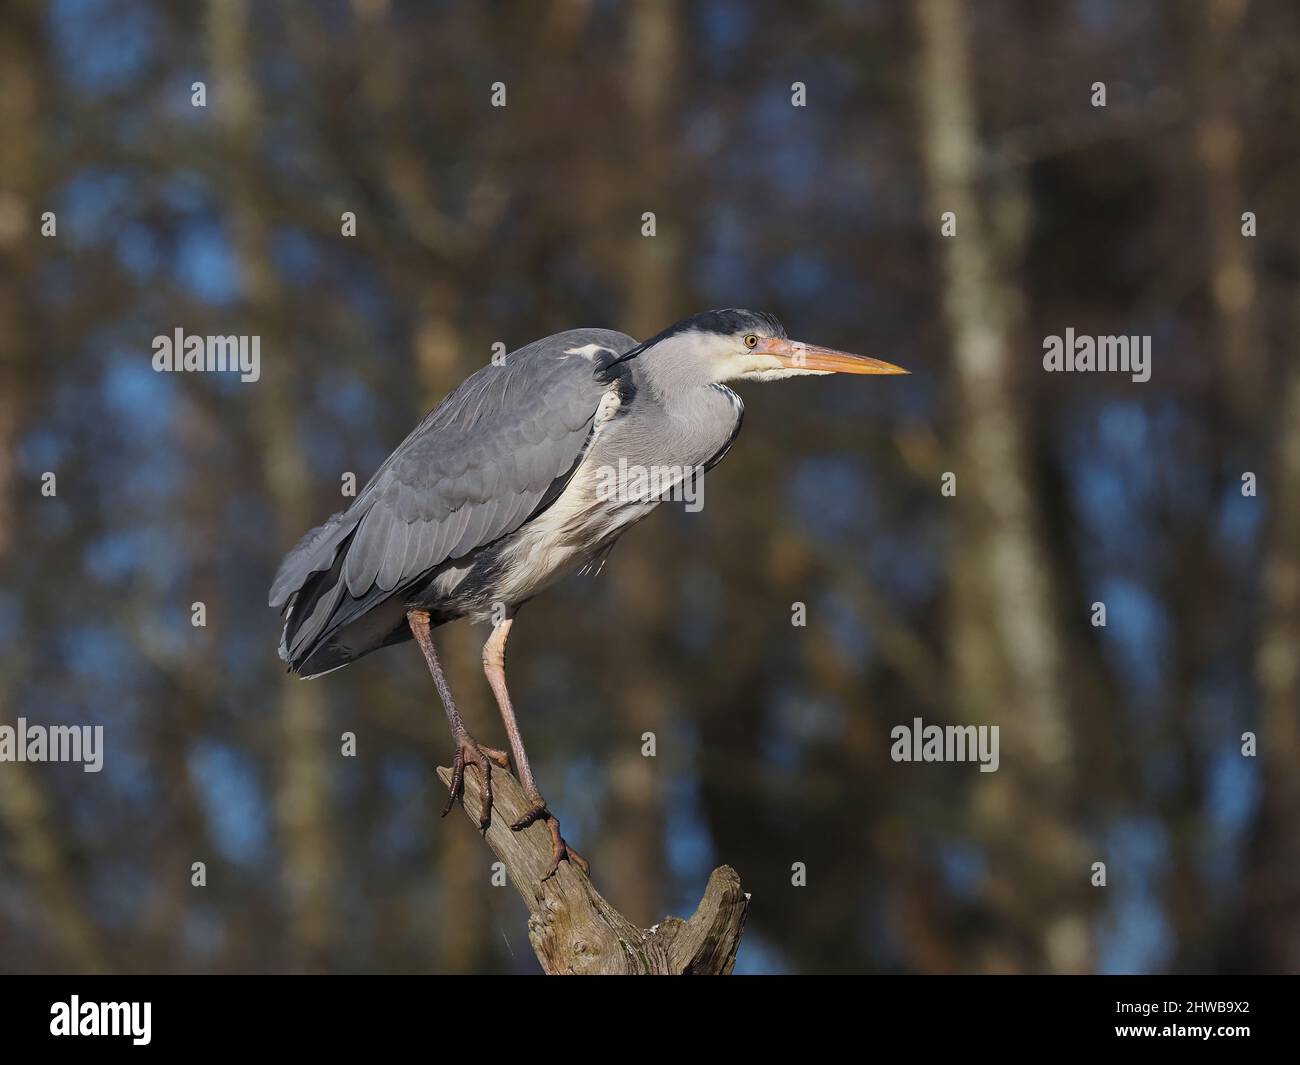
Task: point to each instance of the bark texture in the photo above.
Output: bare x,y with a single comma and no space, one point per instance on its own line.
574,931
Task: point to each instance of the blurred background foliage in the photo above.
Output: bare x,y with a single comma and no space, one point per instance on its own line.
475,225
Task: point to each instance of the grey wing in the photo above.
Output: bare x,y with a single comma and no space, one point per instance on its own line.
482,463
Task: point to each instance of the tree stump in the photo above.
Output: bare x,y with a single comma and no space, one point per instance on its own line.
574,931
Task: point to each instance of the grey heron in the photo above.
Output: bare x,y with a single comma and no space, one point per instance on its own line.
504,488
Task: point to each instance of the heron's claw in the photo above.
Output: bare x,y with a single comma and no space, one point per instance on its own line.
560,850
534,813
468,751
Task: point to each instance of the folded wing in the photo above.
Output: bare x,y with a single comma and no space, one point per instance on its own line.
486,460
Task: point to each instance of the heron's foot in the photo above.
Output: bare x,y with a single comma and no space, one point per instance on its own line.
470,752
560,850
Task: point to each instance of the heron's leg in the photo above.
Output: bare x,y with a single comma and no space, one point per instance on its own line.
494,667
467,748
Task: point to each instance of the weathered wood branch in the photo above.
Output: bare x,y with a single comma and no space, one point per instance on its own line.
574,931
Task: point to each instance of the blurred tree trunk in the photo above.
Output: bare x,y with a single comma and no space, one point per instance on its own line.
633,855
440,362
190,687
1008,657
1272,918
1229,416
1219,142
33,844
302,799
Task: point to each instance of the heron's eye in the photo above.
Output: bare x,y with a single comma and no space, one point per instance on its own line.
751,341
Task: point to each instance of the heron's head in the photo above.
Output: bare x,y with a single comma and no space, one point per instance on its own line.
738,345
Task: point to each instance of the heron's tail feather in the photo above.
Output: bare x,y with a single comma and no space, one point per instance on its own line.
314,553
326,627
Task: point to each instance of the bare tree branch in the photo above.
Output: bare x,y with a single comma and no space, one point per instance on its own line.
574,931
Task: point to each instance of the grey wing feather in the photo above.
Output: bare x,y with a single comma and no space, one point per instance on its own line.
301,563
477,467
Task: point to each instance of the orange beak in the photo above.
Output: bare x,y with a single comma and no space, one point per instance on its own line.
799,356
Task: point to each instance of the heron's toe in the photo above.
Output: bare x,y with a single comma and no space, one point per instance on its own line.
502,758
536,812
470,752
560,850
